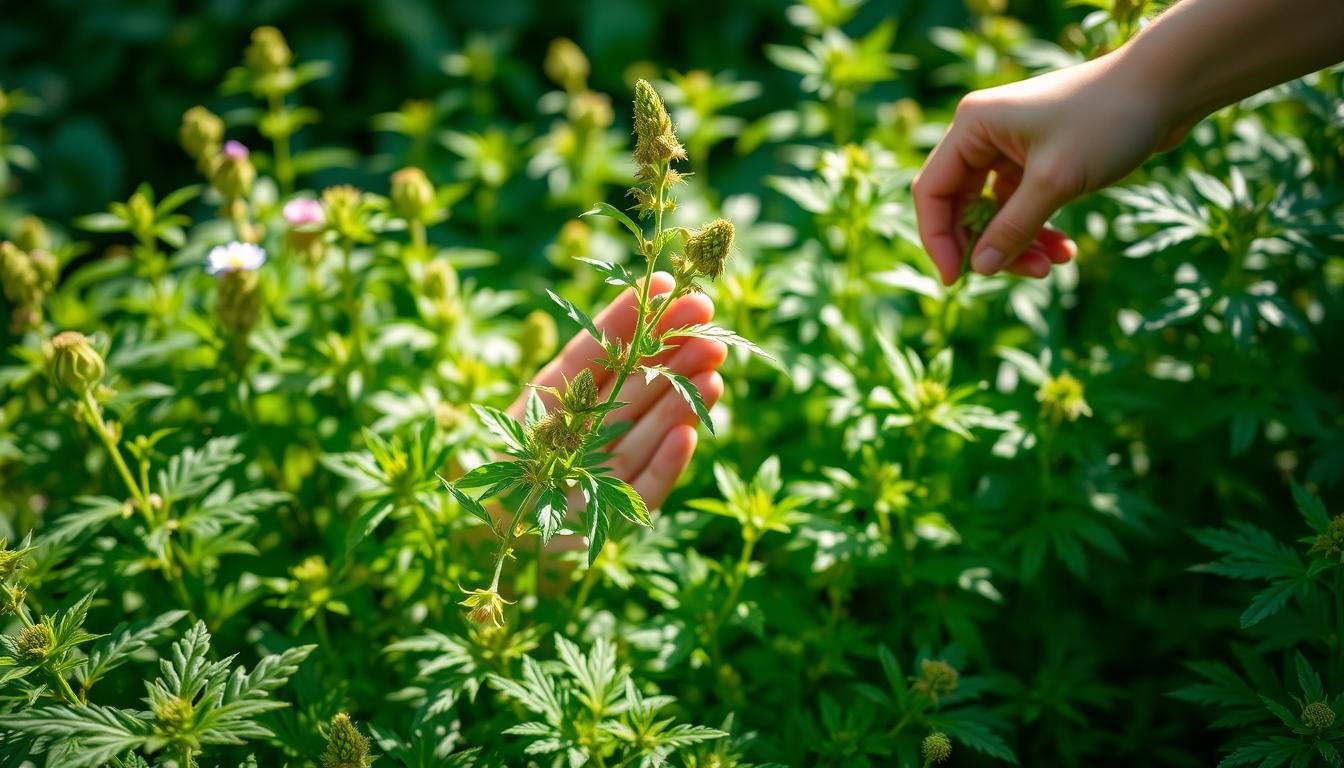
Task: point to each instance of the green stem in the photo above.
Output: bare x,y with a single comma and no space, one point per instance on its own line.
419,240
95,420
506,542
585,587
284,169
63,686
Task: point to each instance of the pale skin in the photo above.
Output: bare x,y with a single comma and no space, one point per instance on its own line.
1042,142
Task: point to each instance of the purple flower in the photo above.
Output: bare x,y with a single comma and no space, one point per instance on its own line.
235,150
304,211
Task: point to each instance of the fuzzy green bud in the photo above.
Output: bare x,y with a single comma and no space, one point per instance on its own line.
238,307
556,434
75,364
30,234
440,281
202,132
937,748
1331,543
344,207
1318,715
978,213
35,643
581,393
707,248
233,172
539,337
11,560
413,194
346,746
172,714
1061,399
268,51
936,678
655,141
20,277
566,65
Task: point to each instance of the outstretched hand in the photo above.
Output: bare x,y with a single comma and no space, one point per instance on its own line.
652,454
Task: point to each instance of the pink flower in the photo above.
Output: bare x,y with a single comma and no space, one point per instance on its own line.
303,211
235,150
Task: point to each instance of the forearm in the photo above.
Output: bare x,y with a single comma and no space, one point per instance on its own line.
1202,55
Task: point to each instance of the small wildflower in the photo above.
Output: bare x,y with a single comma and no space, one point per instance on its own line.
566,65
707,249
304,212
233,172
937,748
1061,399
75,364
346,746
581,393
936,678
235,257
413,194
201,132
268,51
1318,715
35,642
486,607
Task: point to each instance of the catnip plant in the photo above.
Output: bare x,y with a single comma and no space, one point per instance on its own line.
557,450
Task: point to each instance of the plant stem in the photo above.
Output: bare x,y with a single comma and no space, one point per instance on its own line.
63,686
284,169
507,540
95,420
419,241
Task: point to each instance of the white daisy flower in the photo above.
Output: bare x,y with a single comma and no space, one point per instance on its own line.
235,257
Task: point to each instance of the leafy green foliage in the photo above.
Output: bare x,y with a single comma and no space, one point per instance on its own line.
295,520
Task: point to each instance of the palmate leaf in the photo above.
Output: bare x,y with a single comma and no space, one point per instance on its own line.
1274,751
81,737
1250,553
684,387
502,425
126,641
974,727
195,471
1225,692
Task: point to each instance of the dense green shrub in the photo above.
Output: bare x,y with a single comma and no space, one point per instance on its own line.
1006,521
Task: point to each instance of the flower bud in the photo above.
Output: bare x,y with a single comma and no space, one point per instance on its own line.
486,607
440,281
937,748
978,213
413,194
936,678
556,434
448,416
1318,715
590,110
655,141
19,276
34,643
539,337
11,560
306,221
172,714
566,65
233,172
30,234
267,52
75,364
1061,399
1331,543
707,248
344,209
346,746
201,132
581,393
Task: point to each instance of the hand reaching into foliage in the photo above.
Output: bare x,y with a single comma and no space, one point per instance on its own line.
656,449
1053,138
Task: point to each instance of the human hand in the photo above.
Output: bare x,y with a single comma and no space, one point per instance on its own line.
652,454
1046,140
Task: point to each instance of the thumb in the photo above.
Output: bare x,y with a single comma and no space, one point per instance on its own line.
1015,227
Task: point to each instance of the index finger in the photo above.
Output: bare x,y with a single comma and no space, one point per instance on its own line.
955,169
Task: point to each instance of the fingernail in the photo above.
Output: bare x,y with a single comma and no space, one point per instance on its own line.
988,261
